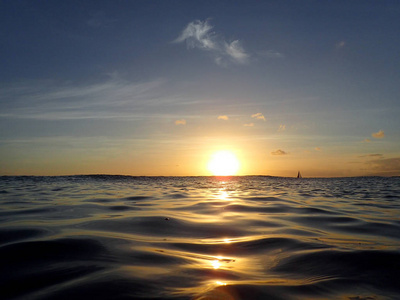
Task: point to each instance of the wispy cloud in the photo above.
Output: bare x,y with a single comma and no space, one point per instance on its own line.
281,128
99,20
372,155
199,34
236,52
225,118
248,125
366,140
387,166
180,122
317,149
278,152
258,116
271,54
340,44
378,135
113,98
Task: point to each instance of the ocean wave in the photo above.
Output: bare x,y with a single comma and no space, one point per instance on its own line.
123,237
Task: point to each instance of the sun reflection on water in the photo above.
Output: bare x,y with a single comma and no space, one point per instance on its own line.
223,195
216,264
219,260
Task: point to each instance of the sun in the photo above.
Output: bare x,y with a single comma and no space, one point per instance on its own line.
223,163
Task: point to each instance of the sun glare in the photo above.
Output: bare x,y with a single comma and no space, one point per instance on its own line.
223,163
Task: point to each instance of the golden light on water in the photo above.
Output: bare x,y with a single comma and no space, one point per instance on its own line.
216,264
223,163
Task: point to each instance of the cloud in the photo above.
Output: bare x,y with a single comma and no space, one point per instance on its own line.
258,116
340,44
248,125
236,52
387,166
278,152
112,98
99,20
317,149
281,128
271,54
372,155
378,135
198,34
367,140
180,122
225,118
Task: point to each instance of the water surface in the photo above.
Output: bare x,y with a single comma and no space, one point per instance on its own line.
122,237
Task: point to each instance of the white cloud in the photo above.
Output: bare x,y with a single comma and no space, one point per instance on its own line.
225,118
236,52
278,152
198,34
180,122
258,116
378,135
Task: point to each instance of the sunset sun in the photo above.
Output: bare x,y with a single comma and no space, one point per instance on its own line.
223,163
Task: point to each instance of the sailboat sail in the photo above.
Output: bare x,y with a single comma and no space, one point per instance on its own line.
299,175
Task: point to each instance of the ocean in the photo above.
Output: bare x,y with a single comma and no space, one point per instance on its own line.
251,237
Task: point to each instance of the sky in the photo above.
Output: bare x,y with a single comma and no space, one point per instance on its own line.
157,87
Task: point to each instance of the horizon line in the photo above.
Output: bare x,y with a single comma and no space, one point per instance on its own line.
210,176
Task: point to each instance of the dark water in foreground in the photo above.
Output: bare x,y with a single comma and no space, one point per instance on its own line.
119,237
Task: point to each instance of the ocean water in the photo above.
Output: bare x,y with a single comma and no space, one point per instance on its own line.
122,237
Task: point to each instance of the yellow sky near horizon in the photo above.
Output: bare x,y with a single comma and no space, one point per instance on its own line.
190,157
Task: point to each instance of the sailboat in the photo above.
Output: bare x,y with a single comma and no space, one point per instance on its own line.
299,175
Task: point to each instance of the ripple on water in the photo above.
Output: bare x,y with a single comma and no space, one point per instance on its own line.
40,264
375,268
8,235
123,237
